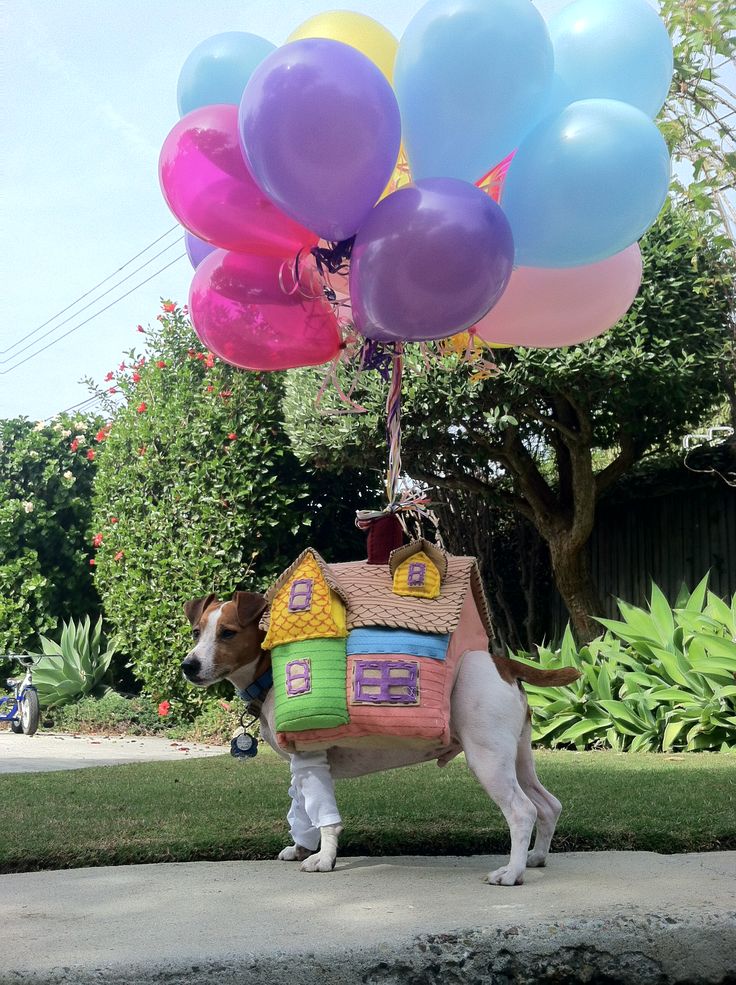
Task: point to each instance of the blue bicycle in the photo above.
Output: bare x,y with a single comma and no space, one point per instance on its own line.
24,713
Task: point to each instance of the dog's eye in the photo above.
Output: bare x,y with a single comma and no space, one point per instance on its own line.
227,634
195,634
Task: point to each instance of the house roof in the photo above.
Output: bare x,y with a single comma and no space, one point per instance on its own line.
325,571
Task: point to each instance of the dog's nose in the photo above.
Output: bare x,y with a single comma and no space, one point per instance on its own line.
191,667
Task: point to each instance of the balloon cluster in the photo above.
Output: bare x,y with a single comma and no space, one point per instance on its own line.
491,172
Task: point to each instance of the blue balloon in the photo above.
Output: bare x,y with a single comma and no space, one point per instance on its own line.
613,49
218,70
196,248
585,184
471,78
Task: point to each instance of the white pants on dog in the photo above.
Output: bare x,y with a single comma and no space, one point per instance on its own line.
312,793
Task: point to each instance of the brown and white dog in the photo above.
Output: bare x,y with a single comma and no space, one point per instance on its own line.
490,723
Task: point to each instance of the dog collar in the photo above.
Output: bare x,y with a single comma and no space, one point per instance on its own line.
258,689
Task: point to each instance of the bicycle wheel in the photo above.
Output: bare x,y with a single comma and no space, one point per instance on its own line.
16,726
30,711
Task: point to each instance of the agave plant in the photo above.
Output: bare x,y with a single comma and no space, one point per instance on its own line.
656,680
74,667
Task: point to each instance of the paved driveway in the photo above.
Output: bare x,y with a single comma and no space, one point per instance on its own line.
47,751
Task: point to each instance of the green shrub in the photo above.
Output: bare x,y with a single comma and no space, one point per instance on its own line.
45,514
659,680
75,667
112,713
197,490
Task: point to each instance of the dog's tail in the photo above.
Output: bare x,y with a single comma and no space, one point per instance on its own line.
537,675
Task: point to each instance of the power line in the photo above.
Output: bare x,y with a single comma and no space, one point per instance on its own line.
87,293
715,122
83,404
4,372
89,304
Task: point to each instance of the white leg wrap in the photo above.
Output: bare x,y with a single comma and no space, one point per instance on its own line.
303,832
311,776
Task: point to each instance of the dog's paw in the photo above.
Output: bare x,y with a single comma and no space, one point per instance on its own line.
536,859
504,877
293,853
316,863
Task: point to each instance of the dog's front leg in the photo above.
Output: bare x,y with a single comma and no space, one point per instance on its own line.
316,790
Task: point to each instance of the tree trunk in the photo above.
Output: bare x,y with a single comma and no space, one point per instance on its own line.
575,584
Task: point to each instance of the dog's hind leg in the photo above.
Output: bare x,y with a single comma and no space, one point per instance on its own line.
488,714
548,807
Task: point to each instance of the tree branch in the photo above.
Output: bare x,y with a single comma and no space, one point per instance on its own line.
469,483
626,457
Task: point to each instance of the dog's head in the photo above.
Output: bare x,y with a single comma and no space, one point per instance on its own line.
226,636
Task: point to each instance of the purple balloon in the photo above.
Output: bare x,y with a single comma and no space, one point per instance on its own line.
430,261
320,130
196,248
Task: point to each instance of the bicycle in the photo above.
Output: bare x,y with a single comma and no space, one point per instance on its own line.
25,712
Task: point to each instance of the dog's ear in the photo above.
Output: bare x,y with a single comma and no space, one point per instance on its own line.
249,606
195,607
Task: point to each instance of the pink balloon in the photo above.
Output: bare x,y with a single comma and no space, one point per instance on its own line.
209,189
241,310
546,307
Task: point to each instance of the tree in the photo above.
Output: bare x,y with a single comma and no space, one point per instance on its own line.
197,491
556,428
46,472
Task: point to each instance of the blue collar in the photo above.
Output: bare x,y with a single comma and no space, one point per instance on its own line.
258,689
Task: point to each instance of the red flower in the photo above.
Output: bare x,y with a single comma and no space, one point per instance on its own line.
169,306
119,555
164,708
225,394
161,364
185,309
90,455
210,388
74,445
121,367
136,377
199,355
140,328
142,407
142,450
113,519
97,540
102,434
232,436
109,376
209,360
92,562
113,389
225,705
141,362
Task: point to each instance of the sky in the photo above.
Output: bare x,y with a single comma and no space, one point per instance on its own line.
88,96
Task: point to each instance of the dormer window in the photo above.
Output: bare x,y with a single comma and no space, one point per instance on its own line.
300,596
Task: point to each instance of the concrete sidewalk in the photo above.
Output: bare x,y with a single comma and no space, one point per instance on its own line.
48,751
630,917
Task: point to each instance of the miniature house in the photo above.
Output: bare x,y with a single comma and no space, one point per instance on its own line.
304,606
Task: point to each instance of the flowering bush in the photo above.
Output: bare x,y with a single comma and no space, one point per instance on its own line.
197,490
45,513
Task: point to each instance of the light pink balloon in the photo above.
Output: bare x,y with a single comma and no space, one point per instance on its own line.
241,310
209,189
548,307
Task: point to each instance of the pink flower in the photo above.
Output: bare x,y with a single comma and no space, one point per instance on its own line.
210,360
136,377
74,445
113,519
225,394
113,389
140,328
92,562
97,540
102,434
142,450
161,364
119,556
169,306
109,376
232,436
121,367
90,455
142,407
164,708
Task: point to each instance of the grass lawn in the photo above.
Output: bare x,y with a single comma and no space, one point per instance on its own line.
223,809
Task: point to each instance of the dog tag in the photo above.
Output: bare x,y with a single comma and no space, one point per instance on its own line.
243,746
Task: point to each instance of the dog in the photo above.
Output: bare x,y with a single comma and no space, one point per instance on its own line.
490,723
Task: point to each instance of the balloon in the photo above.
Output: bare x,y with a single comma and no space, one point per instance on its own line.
320,130
241,311
471,78
218,69
613,49
429,261
196,248
358,30
547,307
585,184
208,188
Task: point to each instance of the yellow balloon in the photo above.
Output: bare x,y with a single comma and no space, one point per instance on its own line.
359,31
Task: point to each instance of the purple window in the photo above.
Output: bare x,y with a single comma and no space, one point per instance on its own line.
417,574
300,596
298,678
380,682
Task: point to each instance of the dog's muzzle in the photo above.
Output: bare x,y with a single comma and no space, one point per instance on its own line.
191,668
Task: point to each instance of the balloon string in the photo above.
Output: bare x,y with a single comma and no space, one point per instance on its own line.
393,424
